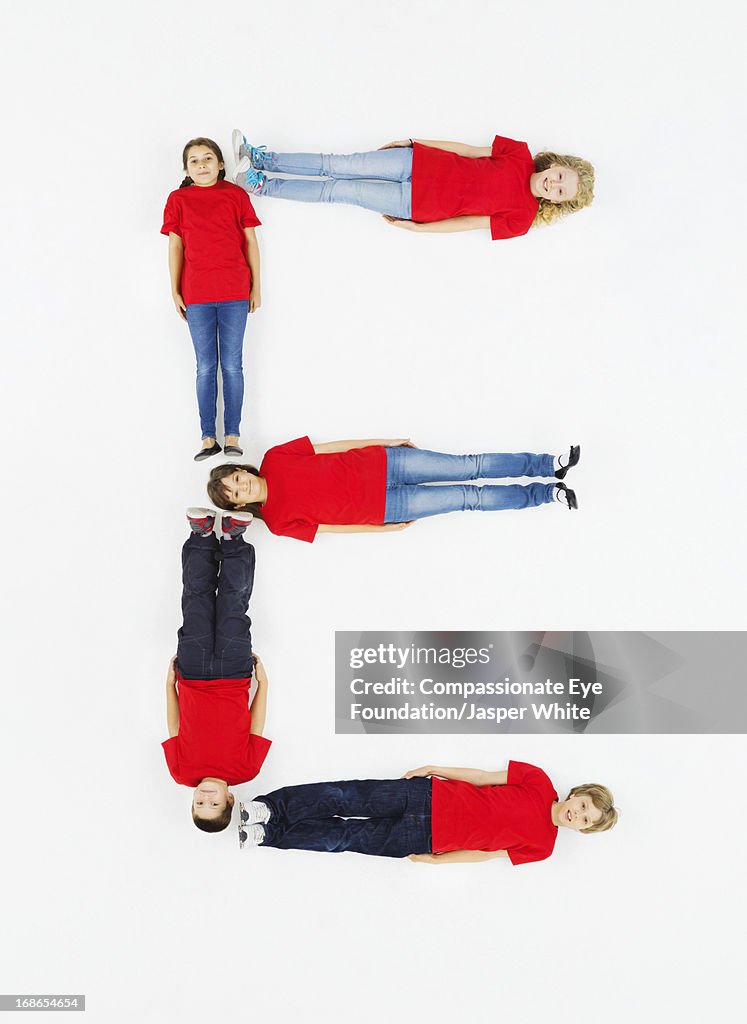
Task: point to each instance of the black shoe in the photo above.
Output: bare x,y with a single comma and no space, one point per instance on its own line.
570,496
206,453
233,449
575,455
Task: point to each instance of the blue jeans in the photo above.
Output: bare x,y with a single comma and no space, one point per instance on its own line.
215,640
379,181
383,818
217,328
412,472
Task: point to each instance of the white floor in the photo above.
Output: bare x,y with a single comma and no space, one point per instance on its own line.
621,329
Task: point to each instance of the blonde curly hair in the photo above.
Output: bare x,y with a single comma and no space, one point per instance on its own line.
547,212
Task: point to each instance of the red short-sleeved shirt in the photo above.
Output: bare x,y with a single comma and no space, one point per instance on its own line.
447,185
214,738
211,221
515,817
305,489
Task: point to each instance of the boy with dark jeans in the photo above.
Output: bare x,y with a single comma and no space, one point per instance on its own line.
215,740
433,815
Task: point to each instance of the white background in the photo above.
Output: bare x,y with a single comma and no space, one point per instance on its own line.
619,329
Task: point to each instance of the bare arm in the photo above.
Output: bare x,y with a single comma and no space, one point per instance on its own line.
363,527
451,224
172,700
176,262
475,776
457,856
460,148
259,704
346,446
252,258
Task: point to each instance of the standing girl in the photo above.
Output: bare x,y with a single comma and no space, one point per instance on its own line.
379,485
424,185
214,269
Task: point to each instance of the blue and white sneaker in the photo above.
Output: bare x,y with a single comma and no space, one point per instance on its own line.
247,177
201,521
242,148
235,525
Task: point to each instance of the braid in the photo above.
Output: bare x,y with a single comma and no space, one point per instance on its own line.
187,181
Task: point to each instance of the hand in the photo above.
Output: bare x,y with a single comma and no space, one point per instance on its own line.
260,672
180,306
424,858
255,300
394,527
419,773
400,144
408,225
402,442
171,674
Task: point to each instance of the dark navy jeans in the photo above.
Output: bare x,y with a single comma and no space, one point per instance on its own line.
411,474
215,640
380,817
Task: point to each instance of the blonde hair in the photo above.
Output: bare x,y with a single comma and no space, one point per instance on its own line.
547,212
603,800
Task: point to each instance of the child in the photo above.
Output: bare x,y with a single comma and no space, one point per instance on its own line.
379,485
433,815
423,185
215,740
214,268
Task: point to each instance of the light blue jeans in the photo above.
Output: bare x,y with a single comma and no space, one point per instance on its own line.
412,472
379,181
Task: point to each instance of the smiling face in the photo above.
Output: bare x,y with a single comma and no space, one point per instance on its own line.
202,165
243,488
210,799
557,184
578,812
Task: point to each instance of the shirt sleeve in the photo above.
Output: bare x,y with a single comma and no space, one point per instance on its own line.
171,218
300,529
259,747
249,218
526,855
503,147
171,753
508,225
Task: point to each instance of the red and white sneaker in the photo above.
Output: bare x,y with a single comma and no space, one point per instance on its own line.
234,525
201,521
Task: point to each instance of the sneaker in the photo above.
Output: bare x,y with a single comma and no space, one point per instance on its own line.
234,525
201,521
247,177
241,149
251,835
254,813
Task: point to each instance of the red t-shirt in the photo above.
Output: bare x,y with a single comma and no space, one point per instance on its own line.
515,817
211,221
304,489
214,739
447,185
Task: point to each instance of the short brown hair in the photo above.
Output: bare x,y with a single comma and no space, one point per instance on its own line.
214,824
603,800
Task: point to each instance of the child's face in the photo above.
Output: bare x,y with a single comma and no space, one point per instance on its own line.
557,184
203,166
241,488
210,799
578,812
